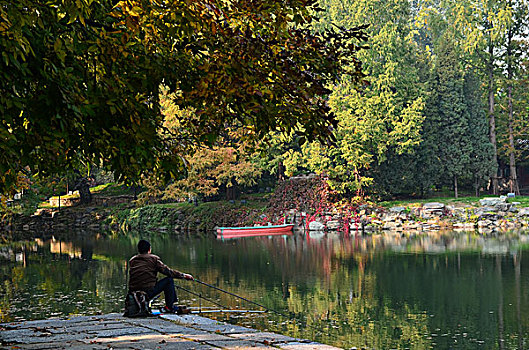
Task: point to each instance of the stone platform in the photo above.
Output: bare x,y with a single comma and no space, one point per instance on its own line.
114,331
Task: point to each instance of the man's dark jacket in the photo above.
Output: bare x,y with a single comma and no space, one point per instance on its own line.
143,269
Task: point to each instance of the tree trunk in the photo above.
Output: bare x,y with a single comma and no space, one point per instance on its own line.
232,192
513,179
85,196
280,171
455,186
476,186
492,120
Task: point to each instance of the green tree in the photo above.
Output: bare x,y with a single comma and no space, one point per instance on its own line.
448,113
514,52
481,162
521,108
456,145
275,153
224,166
478,27
386,113
82,78
228,163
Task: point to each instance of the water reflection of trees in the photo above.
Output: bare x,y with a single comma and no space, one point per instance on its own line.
55,278
387,291
379,298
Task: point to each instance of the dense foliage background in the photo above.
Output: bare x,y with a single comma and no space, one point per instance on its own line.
201,99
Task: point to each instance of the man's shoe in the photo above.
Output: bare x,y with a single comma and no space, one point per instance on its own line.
182,309
167,310
179,310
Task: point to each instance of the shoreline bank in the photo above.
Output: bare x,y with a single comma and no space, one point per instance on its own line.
493,215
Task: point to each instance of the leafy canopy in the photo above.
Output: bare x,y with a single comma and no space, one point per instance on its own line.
80,79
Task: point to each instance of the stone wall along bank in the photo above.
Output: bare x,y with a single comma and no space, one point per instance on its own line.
493,214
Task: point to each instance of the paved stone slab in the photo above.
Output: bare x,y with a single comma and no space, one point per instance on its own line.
225,328
265,337
208,336
64,337
108,333
86,327
75,345
237,344
208,325
306,346
114,331
189,319
150,341
31,324
129,338
15,333
105,317
186,345
164,326
56,322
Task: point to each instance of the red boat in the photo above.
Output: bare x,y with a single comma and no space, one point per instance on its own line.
251,231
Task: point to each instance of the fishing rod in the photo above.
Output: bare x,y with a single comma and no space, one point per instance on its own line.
224,308
200,296
242,298
290,317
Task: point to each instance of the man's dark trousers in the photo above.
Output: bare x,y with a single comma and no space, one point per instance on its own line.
165,285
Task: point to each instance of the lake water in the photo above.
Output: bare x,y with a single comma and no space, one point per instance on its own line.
456,290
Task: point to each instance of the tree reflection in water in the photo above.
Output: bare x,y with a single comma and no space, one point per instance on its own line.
451,290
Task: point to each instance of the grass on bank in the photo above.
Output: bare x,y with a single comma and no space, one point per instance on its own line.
461,201
108,189
202,214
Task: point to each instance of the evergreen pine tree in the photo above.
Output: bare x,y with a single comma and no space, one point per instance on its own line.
482,153
450,114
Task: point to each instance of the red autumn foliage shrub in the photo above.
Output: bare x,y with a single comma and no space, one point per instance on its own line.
311,195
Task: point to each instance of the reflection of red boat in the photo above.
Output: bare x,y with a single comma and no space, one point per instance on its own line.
250,231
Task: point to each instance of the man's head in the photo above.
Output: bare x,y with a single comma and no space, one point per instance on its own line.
143,246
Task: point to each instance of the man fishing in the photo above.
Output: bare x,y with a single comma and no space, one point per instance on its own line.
143,270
